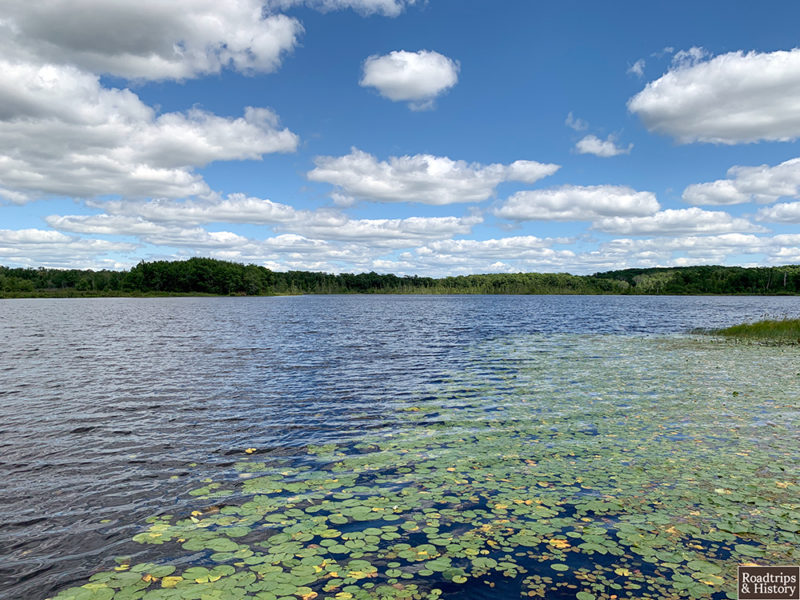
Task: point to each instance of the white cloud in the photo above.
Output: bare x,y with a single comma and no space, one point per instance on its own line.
103,141
32,236
677,251
13,196
575,123
148,39
512,254
388,8
235,208
158,221
414,77
494,247
720,192
784,239
39,247
749,184
637,68
664,51
196,238
518,247
290,251
146,231
672,222
105,225
372,245
591,144
528,253
732,98
394,233
786,256
421,178
696,246
577,203
784,212
690,57
784,249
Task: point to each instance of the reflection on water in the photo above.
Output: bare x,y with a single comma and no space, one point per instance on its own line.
108,403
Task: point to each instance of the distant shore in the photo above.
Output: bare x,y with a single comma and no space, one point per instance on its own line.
211,277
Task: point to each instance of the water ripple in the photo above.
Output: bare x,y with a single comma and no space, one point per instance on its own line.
108,403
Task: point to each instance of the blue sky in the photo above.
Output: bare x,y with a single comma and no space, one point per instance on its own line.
415,137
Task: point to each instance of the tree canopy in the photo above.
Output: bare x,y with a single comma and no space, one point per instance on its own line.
218,277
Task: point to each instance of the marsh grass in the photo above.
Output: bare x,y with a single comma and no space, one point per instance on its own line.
783,331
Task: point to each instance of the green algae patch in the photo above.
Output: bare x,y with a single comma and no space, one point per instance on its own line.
565,466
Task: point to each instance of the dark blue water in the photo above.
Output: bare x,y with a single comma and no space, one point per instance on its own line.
111,409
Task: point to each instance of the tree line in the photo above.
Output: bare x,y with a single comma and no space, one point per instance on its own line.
217,277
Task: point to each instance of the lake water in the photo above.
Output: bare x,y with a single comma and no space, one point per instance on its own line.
114,410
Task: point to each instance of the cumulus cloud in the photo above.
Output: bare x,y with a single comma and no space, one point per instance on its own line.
732,98
518,247
529,253
364,245
146,231
720,192
160,220
12,196
515,254
784,212
591,144
785,256
705,246
42,247
393,233
105,225
784,249
761,183
63,133
421,178
578,203
284,251
388,8
673,251
196,238
290,251
234,208
414,77
676,221
786,239
148,39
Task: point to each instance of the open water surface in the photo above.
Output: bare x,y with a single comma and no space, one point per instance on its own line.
112,410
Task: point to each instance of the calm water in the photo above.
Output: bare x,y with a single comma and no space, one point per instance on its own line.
107,404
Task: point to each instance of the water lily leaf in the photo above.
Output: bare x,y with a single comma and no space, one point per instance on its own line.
171,582
748,550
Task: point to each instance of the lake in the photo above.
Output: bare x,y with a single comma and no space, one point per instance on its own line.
393,447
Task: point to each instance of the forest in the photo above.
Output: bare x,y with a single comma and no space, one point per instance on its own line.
200,276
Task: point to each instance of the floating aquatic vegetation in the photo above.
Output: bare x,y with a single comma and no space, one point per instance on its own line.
587,467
